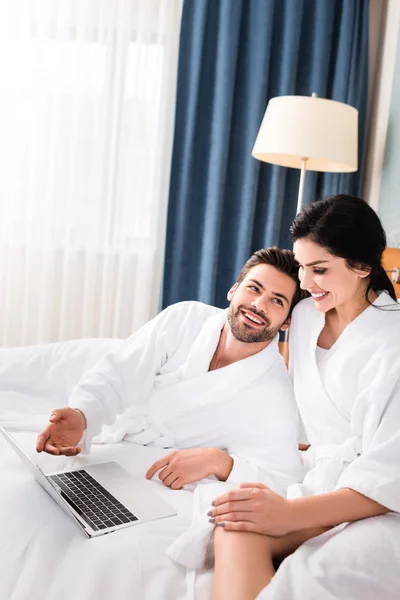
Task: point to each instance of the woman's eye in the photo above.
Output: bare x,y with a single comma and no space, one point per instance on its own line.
319,271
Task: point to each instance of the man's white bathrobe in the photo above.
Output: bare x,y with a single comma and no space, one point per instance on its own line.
350,408
159,380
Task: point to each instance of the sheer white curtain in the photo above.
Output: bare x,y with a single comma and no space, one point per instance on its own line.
87,99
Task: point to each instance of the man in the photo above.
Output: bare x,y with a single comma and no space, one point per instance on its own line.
209,383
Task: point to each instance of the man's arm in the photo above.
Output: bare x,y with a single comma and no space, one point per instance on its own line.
181,467
121,379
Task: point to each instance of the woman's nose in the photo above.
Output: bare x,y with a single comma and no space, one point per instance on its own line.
305,280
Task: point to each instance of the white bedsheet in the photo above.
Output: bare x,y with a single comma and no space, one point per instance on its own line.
44,556
43,553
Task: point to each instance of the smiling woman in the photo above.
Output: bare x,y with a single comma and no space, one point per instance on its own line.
339,243
349,401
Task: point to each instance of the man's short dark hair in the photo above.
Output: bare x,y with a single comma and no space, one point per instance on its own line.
282,260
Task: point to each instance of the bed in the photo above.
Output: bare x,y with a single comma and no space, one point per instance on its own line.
43,553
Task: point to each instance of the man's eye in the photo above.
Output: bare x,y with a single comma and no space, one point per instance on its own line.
278,301
253,287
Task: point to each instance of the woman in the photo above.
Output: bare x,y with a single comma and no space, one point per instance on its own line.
339,529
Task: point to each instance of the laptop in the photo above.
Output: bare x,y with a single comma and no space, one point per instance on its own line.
101,498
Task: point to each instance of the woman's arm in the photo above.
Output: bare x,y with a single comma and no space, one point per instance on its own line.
254,507
332,509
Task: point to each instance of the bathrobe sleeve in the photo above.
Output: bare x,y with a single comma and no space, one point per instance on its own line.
376,472
268,451
125,376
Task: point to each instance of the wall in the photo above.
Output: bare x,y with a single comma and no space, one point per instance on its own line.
384,31
389,198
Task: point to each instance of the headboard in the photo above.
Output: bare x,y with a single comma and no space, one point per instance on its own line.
391,260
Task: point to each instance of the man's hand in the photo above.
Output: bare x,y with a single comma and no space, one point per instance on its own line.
253,507
63,433
186,466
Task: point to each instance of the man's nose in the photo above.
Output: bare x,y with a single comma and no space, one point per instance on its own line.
260,304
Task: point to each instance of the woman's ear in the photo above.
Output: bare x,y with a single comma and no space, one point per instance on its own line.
362,271
232,291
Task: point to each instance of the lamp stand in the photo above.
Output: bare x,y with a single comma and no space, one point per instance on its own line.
301,184
299,207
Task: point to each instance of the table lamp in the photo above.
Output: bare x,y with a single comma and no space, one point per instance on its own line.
308,133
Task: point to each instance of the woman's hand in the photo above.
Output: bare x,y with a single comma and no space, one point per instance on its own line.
253,507
186,466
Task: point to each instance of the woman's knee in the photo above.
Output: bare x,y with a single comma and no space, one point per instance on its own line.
241,541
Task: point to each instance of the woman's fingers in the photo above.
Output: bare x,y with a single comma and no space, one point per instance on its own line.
233,496
238,506
233,517
239,526
259,486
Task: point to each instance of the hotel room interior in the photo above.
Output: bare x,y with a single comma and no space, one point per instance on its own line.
140,167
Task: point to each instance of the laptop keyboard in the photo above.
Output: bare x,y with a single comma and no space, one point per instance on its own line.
91,501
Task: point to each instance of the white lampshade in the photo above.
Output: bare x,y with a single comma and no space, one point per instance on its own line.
324,132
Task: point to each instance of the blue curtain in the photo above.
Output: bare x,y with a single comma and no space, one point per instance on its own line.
234,56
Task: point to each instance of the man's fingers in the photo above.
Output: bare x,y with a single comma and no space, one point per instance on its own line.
50,448
170,479
42,438
40,442
70,450
164,473
56,415
232,496
177,484
159,464
259,486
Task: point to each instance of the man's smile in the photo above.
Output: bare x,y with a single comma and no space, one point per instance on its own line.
254,319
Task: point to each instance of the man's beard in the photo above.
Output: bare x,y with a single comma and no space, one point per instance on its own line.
245,333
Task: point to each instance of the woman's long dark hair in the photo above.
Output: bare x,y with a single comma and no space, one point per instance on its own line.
349,228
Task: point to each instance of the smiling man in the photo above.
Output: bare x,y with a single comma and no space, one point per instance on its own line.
208,383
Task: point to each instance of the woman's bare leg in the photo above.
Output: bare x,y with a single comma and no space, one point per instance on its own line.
243,564
244,561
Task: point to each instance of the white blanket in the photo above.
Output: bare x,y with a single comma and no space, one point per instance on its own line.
43,553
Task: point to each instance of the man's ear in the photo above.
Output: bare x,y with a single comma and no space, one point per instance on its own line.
285,325
232,291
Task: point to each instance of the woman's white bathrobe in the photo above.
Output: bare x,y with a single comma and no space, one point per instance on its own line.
350,408
159,380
